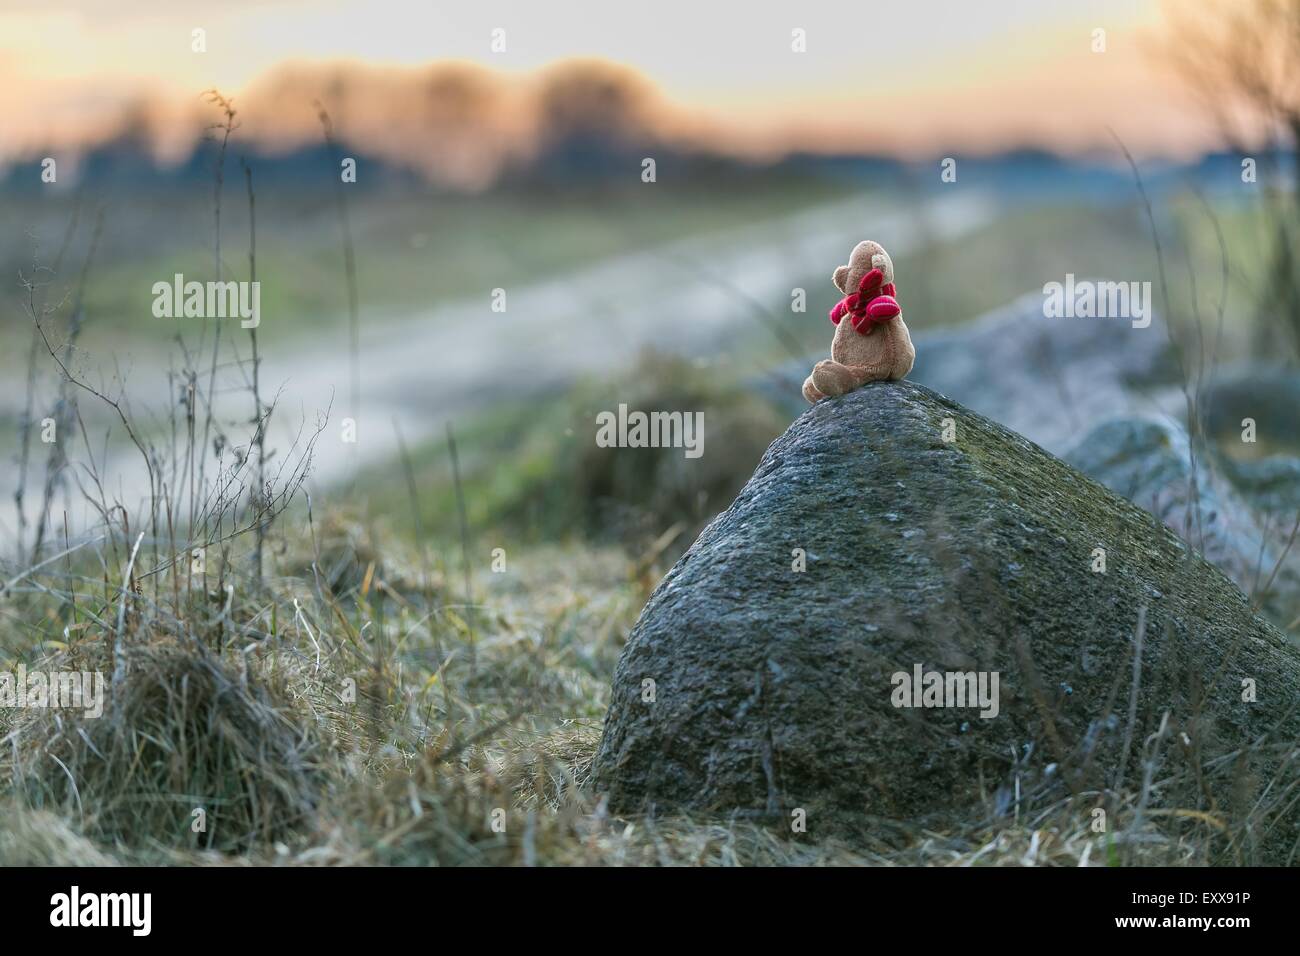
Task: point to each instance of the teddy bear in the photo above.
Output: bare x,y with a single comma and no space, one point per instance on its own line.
873,345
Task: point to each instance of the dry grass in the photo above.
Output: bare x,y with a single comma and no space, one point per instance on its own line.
431,763
186,731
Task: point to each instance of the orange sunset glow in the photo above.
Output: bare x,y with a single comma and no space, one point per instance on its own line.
900,81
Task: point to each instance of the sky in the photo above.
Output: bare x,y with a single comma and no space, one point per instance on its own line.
921,78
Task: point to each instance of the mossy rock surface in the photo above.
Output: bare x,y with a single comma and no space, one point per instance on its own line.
772,687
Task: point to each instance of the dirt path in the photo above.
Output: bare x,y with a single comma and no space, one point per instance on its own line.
426,368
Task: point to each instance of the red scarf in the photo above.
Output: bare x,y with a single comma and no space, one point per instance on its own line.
873,303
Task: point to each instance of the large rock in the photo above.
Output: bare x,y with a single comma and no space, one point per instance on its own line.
750,687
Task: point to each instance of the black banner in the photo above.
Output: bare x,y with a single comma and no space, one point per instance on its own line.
293,906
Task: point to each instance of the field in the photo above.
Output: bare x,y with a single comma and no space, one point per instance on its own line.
420,671
367,711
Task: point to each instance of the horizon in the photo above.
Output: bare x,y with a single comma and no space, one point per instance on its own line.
1008,78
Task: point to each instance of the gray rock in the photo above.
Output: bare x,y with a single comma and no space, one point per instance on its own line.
1056,379
772,687
1050,379
1267,394
1149,463
1271,485
1266,472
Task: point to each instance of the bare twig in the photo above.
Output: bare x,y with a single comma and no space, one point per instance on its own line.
464,545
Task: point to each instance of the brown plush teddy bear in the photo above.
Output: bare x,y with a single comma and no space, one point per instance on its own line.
873,345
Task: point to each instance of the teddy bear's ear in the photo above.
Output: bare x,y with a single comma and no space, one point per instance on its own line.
841,275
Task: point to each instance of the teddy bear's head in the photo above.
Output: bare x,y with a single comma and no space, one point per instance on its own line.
867,255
